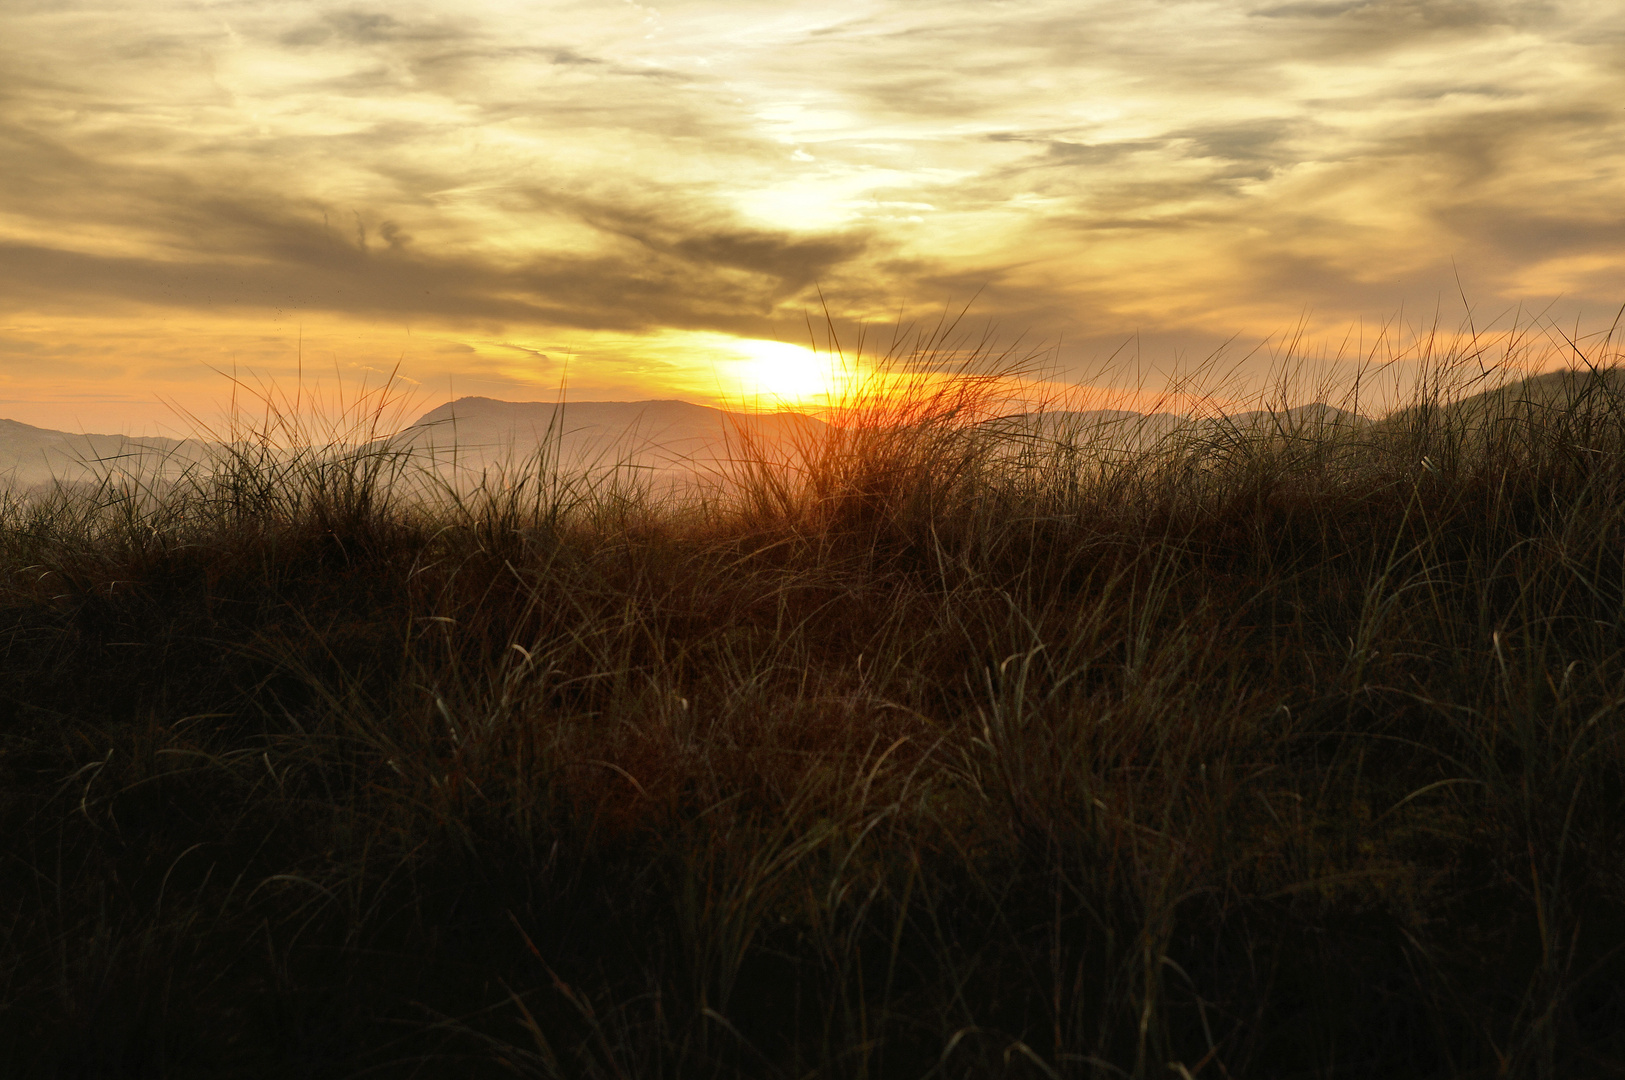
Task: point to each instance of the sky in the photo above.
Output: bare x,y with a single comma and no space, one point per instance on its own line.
657,200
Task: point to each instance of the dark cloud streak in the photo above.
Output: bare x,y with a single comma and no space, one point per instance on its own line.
690,277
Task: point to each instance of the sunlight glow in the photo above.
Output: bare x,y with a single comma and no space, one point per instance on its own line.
780,375
646,200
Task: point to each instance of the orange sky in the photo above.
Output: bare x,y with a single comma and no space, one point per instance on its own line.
644,200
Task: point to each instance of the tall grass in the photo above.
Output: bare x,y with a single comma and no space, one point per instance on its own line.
1270,748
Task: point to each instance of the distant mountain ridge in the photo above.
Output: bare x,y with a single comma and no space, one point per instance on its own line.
1124,429
475,418
1587,390
672,437
30,456
660,436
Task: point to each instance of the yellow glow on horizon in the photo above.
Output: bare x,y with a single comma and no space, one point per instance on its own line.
777,374
645,201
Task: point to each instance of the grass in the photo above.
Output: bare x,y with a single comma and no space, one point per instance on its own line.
1268,750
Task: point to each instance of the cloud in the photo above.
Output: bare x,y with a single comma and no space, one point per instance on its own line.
1085,168
647,268
359,26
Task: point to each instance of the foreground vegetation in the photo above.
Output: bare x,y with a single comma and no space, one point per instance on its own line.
1265,751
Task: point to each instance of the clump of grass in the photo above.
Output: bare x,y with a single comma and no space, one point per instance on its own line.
1264,747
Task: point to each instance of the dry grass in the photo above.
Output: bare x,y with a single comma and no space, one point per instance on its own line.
1266,750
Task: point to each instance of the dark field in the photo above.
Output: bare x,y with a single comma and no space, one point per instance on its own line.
1276,750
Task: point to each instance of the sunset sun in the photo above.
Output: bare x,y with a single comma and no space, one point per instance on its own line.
779,375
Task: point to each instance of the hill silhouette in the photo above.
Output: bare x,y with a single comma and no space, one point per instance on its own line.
665,440
31,456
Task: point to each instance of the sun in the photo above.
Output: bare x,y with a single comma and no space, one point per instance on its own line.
779,374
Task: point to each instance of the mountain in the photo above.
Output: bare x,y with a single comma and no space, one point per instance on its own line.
1588,392
664,441
655,438
1300,418
32,456
1118,429
1125,430
669,440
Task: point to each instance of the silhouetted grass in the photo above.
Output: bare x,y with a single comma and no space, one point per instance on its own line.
1278,748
